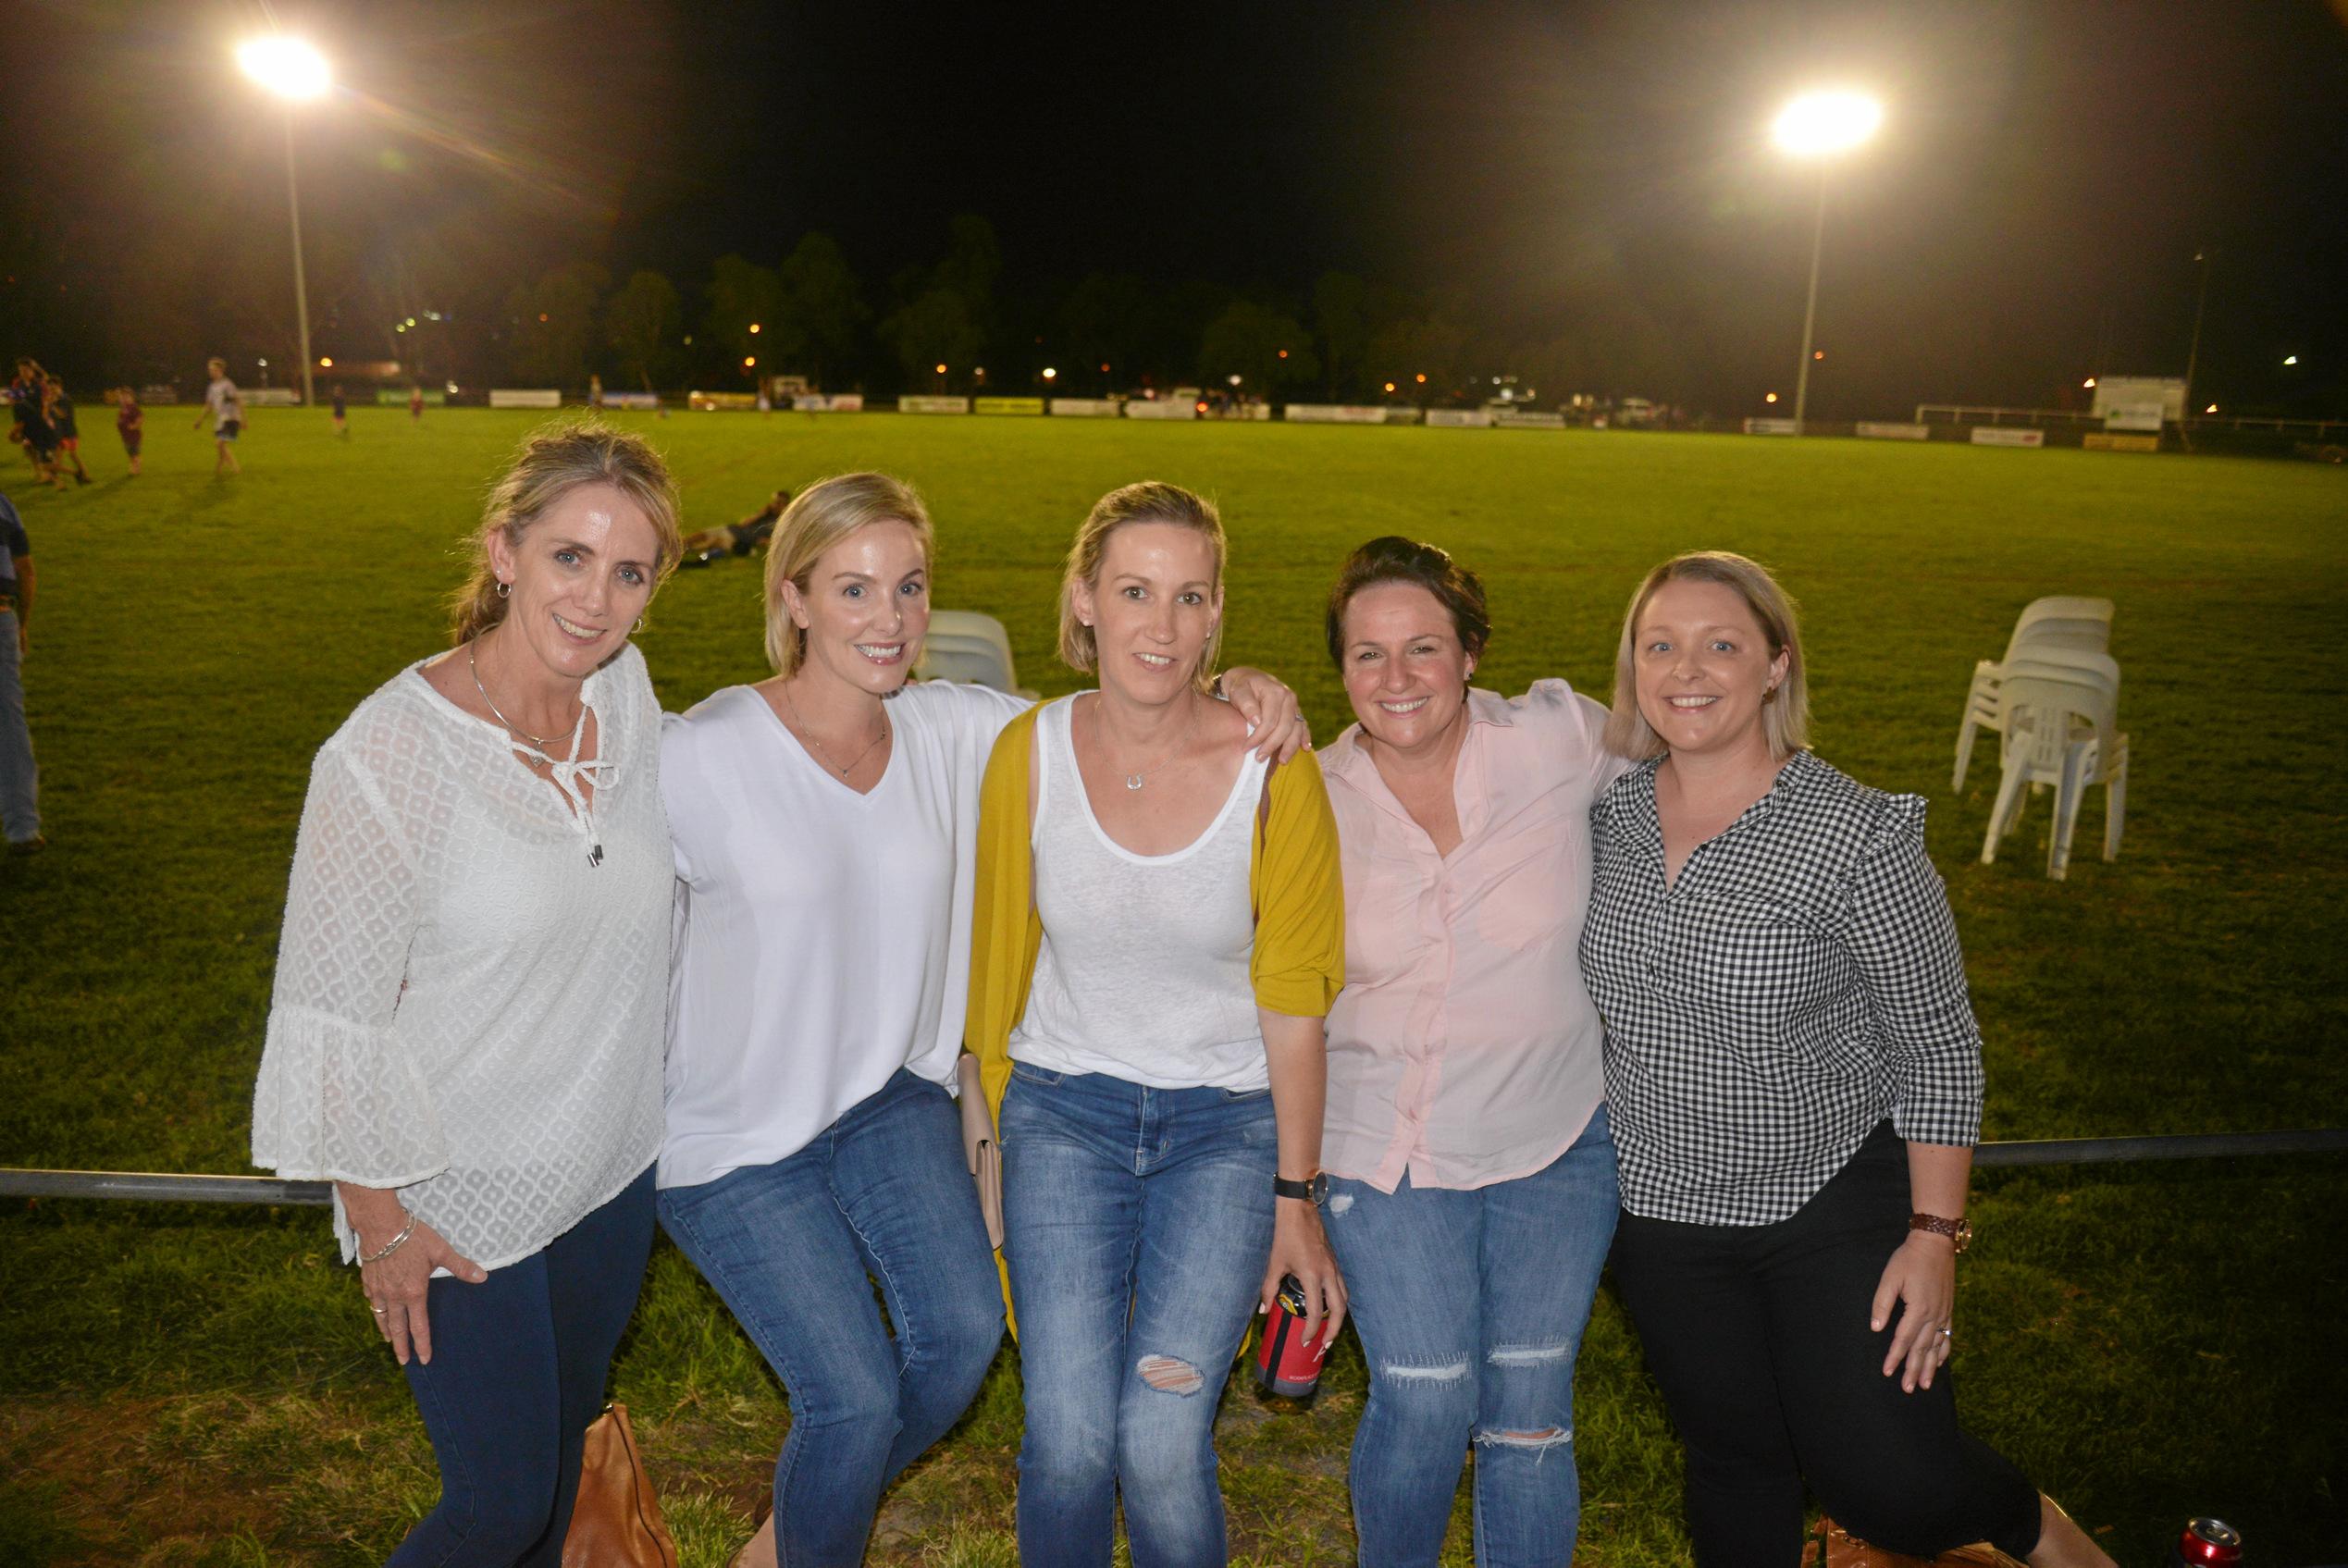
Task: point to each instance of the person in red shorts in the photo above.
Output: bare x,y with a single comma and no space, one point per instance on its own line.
59,409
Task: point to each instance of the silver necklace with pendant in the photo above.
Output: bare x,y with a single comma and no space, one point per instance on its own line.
1135,780
594,849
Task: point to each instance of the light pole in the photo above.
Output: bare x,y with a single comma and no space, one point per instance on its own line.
2200,304
1819,126
296,73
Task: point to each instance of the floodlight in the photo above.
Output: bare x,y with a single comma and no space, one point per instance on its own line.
2290,359
286,66
1820,124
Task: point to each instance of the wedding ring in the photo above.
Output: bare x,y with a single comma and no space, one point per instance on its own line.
379,1312
1949,1333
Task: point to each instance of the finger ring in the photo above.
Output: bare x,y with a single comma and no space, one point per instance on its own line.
377,1311
1949,1333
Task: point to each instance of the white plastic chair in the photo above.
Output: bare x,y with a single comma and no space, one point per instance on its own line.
2053,629
2061,729
965,646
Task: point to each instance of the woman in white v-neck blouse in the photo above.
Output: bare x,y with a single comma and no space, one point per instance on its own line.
825,829
466,1028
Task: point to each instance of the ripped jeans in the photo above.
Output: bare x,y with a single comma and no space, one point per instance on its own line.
1471,1305
1119,1198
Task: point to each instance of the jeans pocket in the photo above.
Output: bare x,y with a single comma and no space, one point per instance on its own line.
1043,1076
1240,1096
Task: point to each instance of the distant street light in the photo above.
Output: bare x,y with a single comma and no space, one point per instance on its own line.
295,73
754,329
1820,126
2089,383
1050,374
1769,397
2290,359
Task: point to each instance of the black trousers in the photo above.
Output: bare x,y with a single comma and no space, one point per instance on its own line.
1759,1338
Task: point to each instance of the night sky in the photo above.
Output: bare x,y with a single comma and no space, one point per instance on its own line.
2030,215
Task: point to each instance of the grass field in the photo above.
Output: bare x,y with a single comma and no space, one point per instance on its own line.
187,1386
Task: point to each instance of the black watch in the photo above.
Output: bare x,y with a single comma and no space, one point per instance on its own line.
1312,1189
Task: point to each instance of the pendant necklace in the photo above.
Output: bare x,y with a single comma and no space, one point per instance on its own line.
1136,780
829,760
537,744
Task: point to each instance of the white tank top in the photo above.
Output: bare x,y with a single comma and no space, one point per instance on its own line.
1142,973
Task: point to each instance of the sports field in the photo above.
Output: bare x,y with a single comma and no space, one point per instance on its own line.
188,1386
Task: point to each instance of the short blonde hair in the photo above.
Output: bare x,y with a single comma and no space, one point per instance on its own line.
1785,713
1152,501
553,460
820,516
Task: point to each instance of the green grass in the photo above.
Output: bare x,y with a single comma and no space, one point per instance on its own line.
198,1387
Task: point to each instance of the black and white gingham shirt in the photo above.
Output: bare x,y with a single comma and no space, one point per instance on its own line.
1798,983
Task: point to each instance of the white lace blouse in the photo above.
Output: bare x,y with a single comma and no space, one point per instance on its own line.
472,984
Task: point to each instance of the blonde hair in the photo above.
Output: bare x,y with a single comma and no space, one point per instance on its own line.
824,513
554,460
1784,711
1150,502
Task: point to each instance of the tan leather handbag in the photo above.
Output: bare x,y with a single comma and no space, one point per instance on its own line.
616,1522
981,1150
1835,1547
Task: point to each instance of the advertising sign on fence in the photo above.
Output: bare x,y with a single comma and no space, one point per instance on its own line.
828,402
397,396
1471,419
2133,416
2115,393
1771,428
1876,431
1529,419
1337,413
2099,440
1161,408
2007,435
524,397
932,404
1083,408
1007,405
712,402
646,400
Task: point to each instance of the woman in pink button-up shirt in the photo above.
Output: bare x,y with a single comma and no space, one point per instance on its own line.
1471,1186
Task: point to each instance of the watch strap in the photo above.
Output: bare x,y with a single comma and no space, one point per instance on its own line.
1958,1230
1308,1191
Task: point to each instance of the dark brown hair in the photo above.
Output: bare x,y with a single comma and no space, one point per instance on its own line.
1393,558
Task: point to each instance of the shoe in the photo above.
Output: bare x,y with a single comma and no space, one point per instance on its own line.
33,845
759,1552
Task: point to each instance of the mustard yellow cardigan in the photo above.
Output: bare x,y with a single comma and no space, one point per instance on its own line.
1298,963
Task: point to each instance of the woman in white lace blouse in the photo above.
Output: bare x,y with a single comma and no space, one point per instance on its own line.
467,1027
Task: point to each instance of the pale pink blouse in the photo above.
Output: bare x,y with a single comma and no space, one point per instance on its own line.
1464,1048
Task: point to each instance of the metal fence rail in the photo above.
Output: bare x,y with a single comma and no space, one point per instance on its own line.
170,1188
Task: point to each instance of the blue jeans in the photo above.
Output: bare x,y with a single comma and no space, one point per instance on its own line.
793,1247
1471,1305
19,780
517,1371
1136,1225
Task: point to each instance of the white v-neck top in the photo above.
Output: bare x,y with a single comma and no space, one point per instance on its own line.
1143,971
822,936
469,998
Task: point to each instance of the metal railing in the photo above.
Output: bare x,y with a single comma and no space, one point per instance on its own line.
173,1187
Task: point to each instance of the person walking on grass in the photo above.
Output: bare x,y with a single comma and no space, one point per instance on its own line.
130,423
465,1034
19,780
416,404
341,413
1794,1076
29,401
59,409
226,408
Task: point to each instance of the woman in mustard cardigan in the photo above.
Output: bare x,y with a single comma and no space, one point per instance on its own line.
1159,934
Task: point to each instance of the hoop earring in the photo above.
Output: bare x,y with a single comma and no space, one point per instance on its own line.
505,590
642,622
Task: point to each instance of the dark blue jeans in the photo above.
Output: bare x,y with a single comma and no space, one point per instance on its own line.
1136,1223
883,1194
517,1373
1471,1305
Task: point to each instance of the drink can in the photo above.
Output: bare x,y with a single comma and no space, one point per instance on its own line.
1286,1364
2208,1543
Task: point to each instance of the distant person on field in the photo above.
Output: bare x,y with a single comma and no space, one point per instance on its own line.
30,404
594,391
471,992
341,413
226,408
1794,1080
59,409
130,423
415,404
19,780
746,537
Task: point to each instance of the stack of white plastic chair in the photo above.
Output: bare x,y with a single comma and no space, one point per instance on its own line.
965,646
2054,631
2061,727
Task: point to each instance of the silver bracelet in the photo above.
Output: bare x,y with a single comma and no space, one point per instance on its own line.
394,1245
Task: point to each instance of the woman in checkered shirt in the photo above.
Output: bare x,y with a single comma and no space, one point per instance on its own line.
1793,1075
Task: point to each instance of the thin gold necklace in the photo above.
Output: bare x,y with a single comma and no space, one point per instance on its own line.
541,742
800,724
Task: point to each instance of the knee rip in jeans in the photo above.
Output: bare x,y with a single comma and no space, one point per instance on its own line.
1528,1356
1169,1375
1443,1372
1540,1441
